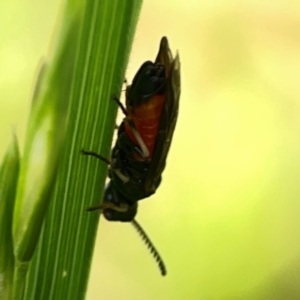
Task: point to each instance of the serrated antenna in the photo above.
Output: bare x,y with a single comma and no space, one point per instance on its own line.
151,247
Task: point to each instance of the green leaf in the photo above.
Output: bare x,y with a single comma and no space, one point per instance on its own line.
87,70
44,145
9,171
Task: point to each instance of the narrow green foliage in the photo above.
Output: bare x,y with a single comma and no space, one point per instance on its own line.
44,144
72,109
9,171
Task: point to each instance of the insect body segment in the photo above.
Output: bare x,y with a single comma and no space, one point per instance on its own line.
146,119
144,101
144,137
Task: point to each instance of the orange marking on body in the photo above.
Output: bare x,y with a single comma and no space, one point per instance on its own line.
146,118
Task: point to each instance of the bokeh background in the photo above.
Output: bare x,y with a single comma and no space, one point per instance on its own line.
226,217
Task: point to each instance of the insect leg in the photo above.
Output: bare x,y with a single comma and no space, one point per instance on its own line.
123,177
92,153
120,208
144,149
120,104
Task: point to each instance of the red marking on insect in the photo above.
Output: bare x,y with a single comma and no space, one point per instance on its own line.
146,118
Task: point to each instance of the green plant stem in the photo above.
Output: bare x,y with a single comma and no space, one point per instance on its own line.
19,281
9,172
100,45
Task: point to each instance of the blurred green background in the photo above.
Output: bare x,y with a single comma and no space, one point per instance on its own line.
226,217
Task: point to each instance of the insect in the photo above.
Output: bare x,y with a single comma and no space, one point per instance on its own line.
143,141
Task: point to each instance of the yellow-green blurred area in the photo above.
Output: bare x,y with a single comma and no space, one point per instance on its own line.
226,216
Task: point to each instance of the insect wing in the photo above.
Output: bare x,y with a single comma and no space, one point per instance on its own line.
168,117
164,56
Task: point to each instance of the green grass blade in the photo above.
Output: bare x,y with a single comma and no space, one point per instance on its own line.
9,171
101,48
44,145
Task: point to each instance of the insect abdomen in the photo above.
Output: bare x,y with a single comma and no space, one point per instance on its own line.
146,118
